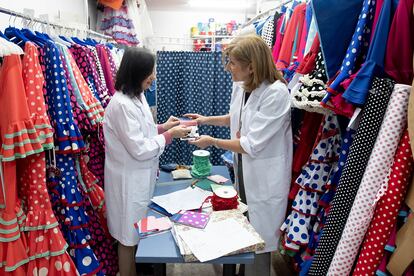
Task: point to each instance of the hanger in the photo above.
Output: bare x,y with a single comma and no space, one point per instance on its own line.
33,37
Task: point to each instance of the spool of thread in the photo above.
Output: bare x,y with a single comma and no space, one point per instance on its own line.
201,167
224,198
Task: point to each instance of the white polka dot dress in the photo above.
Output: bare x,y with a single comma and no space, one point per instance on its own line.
312,181
372,116
375,177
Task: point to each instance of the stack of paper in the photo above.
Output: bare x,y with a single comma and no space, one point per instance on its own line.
186,199
151,225
227,233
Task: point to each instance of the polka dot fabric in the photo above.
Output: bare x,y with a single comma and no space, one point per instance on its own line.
84,95
374,178
46,247
68,138
371,119
103,246
69,205
192,82
80,116
33,83
312,182
268,31
88,67
386,211
18,134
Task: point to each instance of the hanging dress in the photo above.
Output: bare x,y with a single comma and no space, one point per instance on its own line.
45,243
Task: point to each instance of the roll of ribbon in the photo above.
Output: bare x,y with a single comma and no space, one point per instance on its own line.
201,164
224,198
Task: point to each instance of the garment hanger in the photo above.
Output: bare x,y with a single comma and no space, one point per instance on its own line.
14,41
60,40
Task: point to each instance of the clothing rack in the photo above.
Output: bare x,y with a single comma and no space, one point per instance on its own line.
34,19
266,13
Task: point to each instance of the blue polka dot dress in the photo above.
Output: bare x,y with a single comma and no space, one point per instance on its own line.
356,52
68,204
68,139
312,181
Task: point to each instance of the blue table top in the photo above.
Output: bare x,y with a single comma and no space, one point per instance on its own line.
162,248
221,170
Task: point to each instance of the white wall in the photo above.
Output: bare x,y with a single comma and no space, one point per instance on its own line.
68,12
176,24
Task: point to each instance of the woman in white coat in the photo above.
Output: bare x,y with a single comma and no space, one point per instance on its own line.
261,138
133,144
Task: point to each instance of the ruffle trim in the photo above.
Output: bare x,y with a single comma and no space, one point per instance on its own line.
13,244
79,249
57,265
22,140
314,180
40,220
69,139
44,131
43,243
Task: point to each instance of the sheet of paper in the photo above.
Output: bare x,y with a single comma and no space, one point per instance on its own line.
217,239
186,199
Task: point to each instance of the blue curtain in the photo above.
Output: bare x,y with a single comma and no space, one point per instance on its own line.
192,82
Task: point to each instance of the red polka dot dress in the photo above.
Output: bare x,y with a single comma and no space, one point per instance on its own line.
46,247
18,139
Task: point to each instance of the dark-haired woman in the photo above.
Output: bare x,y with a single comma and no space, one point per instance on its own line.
133,144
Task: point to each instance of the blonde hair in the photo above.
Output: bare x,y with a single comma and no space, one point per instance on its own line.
252,50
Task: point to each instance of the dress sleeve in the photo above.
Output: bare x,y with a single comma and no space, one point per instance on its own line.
129,131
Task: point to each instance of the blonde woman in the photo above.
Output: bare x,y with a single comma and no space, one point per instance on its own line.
261,138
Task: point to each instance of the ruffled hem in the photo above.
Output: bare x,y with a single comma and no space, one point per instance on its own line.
20,141
44,131
314,179
12,244
59,265
95,113
69,139
40,220
82,254
45,243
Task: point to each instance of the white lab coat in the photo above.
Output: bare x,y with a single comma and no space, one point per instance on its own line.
266,137
132,146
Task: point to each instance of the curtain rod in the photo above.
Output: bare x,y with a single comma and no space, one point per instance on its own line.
266,12
24,16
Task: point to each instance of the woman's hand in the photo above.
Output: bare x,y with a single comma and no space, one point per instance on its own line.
203,141
171,122
179,131
200,119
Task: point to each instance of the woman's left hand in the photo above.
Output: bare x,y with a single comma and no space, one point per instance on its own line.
171,122
203,141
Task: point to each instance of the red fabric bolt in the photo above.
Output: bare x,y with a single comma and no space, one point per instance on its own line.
386,211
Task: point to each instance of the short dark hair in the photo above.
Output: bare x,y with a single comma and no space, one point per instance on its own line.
136,65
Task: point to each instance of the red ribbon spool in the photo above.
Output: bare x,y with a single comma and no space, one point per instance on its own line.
224,202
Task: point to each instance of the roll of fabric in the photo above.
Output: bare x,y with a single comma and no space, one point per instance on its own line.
386,211
374,180
372,116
